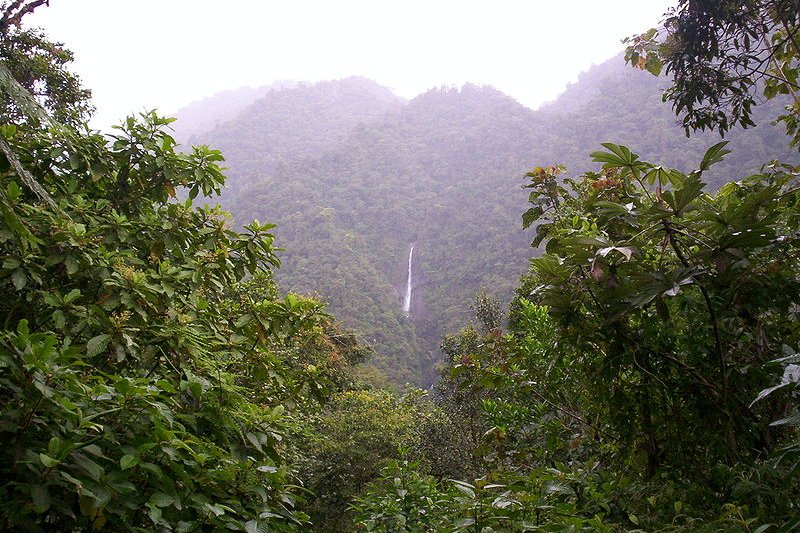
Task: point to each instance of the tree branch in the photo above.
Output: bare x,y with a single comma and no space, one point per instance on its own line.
13,13
27,178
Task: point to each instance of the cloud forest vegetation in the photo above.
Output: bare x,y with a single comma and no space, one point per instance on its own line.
164,366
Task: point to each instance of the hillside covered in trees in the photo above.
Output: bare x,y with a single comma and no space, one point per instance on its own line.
352,176
158,372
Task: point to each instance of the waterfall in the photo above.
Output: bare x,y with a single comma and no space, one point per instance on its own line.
407,301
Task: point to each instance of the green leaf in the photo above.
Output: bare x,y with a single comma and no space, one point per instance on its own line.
47,461
554,487
71,264
54,446
160,499
40,497
184,527
93,469
792,420
654,64
660,174
7,131
530,216
542,230
791,376
72,295
255,441
692,188
128,461
155,514
19,278
463,523
617,157
464,488
243,320
714,155
218,510
13,191
97,345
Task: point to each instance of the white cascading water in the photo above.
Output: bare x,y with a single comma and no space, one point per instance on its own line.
407,301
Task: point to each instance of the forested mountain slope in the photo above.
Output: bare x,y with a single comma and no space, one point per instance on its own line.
206,114
353,176
292,123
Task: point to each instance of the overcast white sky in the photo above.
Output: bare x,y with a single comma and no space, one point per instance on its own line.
164,54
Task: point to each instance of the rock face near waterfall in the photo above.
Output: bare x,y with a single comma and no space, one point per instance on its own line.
352,175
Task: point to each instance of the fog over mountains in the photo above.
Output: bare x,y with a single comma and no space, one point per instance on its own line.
353,175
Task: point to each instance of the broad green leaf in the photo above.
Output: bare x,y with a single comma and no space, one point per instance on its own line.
793,420
40,497
19,278
93,469
155,514
54,446
160,499
542,231
463,523
259,526
244,320
691,189
71,265
791,376
551,487
613,209
72,295
655,174
13,191
530,216
184,527
464,488
714,155
128,461
654,64
97,345
617,157
47,461
255,440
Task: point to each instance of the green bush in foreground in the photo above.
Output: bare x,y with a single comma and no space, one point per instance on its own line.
144,384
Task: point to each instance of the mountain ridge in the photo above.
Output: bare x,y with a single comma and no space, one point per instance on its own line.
352,175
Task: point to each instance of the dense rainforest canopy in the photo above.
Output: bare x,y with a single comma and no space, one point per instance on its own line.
640,376
353,188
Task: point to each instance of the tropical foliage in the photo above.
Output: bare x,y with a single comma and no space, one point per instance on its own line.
622,394
352,189
154,377
149,370
721,54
